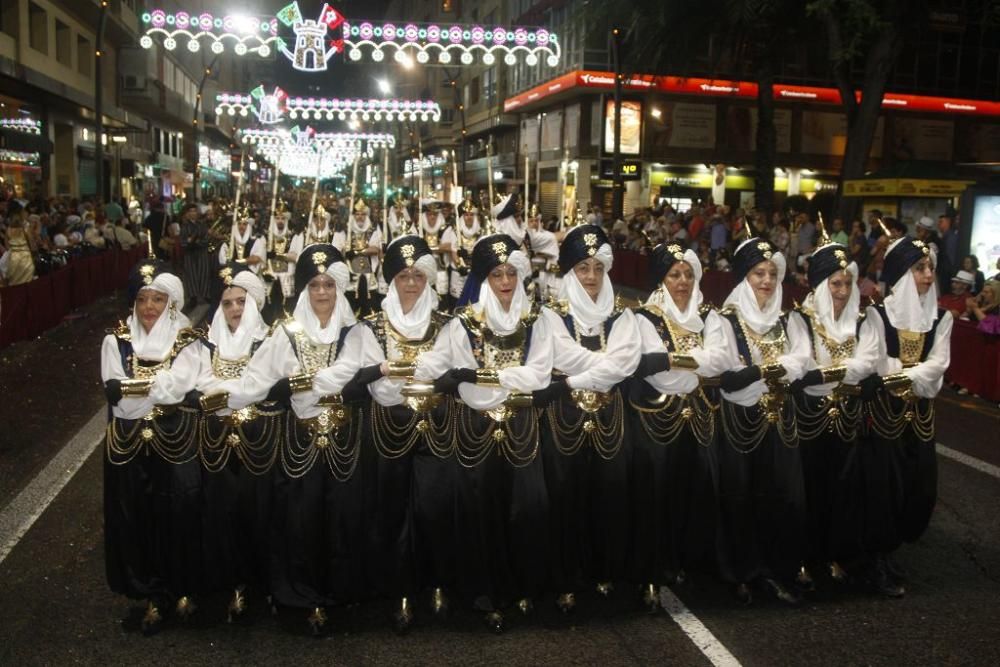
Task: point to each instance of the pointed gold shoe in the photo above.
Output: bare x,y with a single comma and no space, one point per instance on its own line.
837,573
152,620
651,598
605,588
237,605
494,621
439,602
185,608
403,617
566,603
525,606
316,621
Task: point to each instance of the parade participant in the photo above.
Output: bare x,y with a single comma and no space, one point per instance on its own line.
544,257
237,448
242,246
586,456
505,214
317,232
197,263
914,350
674,471
410,428
362,257
762,503
456,248
844,344
152,476
400,223
432,228
317,504
280,265
500,354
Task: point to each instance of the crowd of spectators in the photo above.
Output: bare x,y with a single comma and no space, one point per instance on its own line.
49,232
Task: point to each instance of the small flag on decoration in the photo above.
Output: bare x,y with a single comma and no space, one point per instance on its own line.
290,14
337,45
257,92
331,17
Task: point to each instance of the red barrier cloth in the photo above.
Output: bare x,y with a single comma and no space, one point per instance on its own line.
975,360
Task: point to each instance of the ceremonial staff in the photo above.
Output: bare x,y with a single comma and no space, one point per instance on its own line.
312,206
489,171
350,206
385,194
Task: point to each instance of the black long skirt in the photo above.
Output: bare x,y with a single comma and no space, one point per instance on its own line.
898,462
501,508
318,511
587,478
831,471
675,491
238,465
152,508
761,497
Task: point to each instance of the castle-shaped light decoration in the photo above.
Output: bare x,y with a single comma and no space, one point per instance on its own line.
317,41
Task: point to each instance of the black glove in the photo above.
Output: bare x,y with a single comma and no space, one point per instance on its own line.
870,386
652,363
464,254
446,384
465,375
542,397
463,270
191,399
351,254
741,379
113,391
281,392
356,390
811,378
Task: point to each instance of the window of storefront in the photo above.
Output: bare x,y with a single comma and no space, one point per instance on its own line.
38,22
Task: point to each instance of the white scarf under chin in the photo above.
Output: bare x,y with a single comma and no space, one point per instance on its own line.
502,321
470,231
159,341
761,320
909,311
239,240
413,324
589,314
236,345
821,303
689,318
342,317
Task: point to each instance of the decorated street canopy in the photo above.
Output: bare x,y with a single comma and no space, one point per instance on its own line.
310,43
271,107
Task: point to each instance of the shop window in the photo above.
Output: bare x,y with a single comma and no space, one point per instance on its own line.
84,56
8,17
38,22
64,47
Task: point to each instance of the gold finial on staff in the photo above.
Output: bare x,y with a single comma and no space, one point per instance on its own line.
824,238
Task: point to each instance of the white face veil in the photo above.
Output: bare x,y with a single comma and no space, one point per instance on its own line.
585,310
761,320
907,310
342,315
820,302
414,323
237,344
159,341
690,317
502,321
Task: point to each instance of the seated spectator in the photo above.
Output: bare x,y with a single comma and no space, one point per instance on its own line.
955,302
970,263
837,233
985,308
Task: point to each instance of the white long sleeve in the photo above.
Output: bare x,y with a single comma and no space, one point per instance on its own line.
431,365
169,386
928,375
712,357
532,376
859,366
435,363
794,360
596,371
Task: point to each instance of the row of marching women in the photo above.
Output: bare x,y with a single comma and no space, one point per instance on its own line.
516,452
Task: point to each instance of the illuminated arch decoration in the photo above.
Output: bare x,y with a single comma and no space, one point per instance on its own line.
270,108
305,138
25,125
316,41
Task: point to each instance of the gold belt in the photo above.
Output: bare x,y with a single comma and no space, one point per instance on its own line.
591,401
333,416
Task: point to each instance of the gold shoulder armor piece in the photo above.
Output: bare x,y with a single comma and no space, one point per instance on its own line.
186,336
619,304
121,330
705,308
559,306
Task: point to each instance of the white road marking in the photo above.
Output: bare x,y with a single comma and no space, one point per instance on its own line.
696,631
34,499
971,461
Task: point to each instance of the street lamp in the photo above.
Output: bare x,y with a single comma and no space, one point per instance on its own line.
384,87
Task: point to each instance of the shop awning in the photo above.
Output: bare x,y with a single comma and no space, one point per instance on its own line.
905,187
24,142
